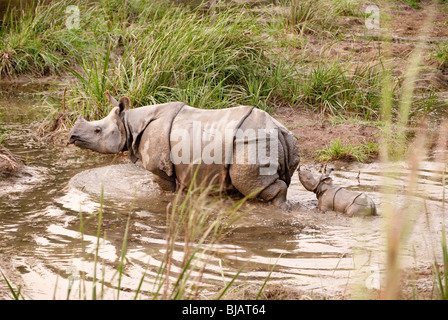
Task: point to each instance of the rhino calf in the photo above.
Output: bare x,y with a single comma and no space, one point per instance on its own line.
336,198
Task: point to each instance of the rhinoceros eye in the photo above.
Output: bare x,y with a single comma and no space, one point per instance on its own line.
97,130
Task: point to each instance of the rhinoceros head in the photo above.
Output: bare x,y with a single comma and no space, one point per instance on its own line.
310,181
107,135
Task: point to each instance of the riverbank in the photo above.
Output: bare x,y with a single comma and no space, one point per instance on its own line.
9,164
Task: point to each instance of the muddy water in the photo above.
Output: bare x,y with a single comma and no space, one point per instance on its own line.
42,247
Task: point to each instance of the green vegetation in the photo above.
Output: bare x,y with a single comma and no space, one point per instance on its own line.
347,151
442,276
204,60
17,295
413,3
207,58
308,16
332,89
441,53
35,41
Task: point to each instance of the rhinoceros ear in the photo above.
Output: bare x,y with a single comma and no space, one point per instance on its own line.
111,99
327,180
124,104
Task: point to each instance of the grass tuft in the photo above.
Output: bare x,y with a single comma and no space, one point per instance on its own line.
330,88
339,151
15,294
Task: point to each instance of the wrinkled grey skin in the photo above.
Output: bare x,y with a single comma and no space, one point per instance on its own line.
146,133
335,198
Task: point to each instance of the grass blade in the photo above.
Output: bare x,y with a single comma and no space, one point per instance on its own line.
227,287
123,255
15,295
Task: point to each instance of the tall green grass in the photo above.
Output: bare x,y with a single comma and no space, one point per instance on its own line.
337,150
207,61
217,61
159,51
317,16
333,89
36,41
163,51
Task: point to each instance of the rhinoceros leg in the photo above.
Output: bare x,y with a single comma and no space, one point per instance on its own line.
276,193
246,179
165,184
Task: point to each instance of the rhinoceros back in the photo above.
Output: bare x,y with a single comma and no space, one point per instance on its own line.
205,142
202,142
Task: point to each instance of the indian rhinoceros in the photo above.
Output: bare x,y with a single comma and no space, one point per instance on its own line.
240,147
336,198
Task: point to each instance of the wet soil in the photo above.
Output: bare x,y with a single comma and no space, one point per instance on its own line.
9,164
315,131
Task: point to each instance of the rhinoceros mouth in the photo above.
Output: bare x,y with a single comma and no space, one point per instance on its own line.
77,141
73,138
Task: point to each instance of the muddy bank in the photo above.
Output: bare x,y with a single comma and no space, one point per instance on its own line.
316,132
9,164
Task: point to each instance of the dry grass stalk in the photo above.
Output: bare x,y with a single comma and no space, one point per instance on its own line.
400,218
